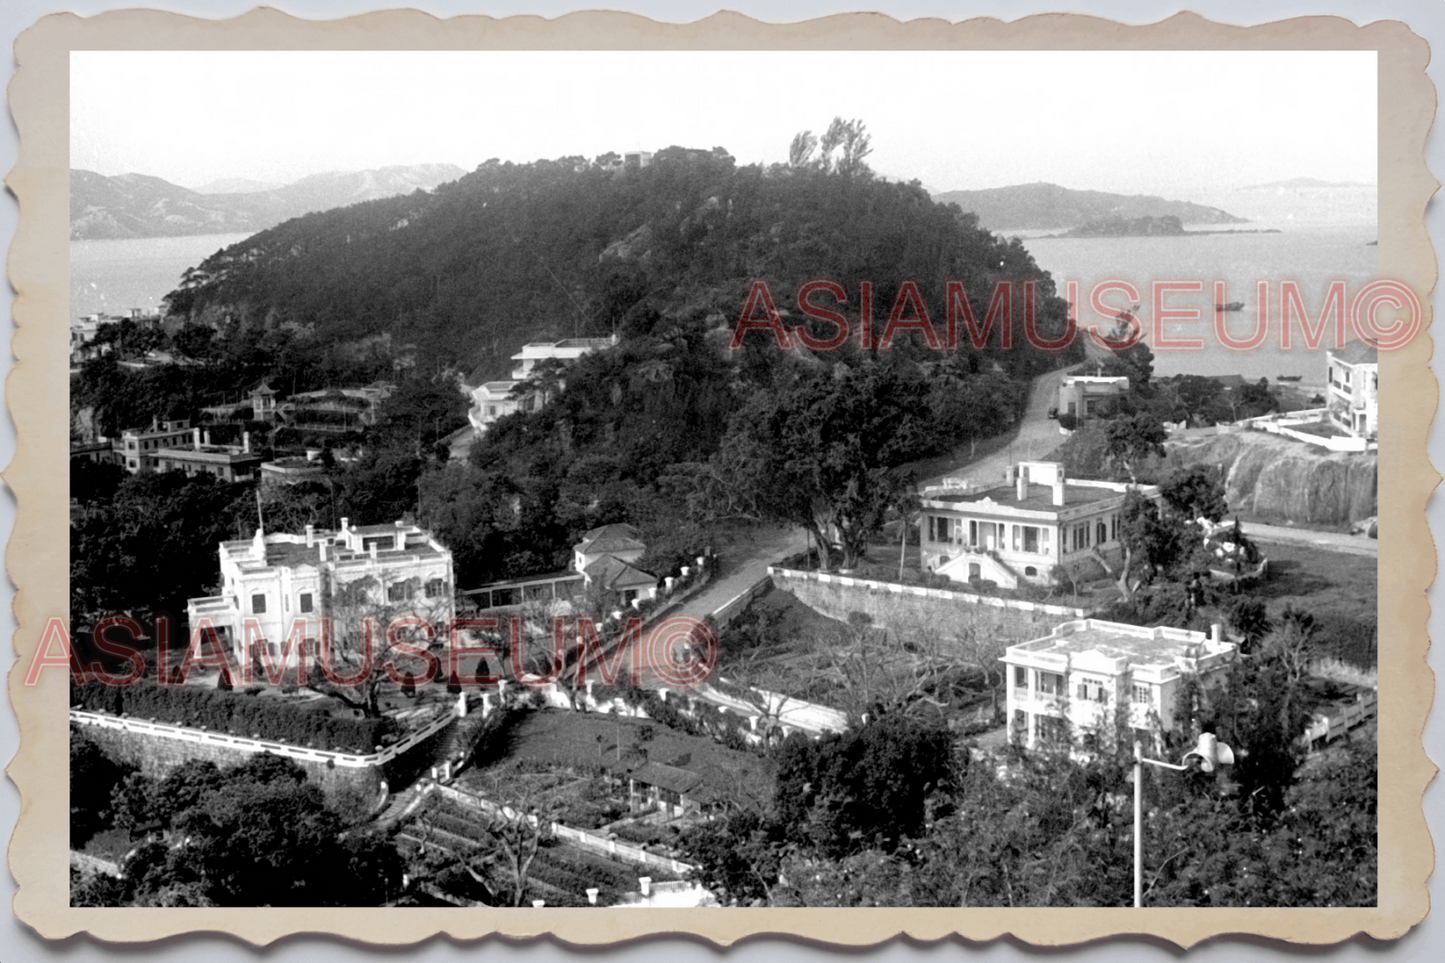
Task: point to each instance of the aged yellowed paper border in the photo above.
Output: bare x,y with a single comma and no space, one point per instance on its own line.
38,554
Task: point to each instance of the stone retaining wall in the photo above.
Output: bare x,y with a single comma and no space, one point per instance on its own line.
908,607
157,748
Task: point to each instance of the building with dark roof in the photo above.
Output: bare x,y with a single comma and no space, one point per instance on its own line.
669,790
605,557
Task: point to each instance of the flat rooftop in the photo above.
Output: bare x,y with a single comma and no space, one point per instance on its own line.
1039,498
1138,645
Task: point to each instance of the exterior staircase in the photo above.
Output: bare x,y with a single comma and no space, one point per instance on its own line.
399,806
460,740
991,567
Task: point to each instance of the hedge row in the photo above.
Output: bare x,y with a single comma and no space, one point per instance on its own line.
237,713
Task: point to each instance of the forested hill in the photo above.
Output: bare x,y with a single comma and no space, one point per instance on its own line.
514,253
1041,205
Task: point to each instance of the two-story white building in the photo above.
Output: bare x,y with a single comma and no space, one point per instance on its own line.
1025,528
138,447
1071,688
279,585
1354,389
496,399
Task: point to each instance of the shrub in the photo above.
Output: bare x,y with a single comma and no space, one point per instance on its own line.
219,710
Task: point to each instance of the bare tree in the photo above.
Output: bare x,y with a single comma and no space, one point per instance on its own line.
517,828
373,622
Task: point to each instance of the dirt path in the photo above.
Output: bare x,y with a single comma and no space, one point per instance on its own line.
1329,541
1037,435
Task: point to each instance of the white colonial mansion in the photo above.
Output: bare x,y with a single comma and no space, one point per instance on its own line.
1025,528
1076,684
279,585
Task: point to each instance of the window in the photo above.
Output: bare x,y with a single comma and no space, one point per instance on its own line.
1101,535
435,588
1092,690
1031,539
1030,570
1021,677
1051,683
304,603
258,604
973,533
1141,694
397,592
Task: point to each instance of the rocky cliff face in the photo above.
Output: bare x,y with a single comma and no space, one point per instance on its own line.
1279,479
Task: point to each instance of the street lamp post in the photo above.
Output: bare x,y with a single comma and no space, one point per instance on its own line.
1211,753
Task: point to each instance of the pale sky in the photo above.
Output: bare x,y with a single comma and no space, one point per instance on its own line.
1174,123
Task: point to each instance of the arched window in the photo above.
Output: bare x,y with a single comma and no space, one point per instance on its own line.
1030,570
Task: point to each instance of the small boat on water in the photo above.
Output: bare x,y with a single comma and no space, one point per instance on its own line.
1289,377
1231,306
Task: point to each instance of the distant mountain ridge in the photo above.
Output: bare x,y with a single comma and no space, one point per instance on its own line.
137,205
1049,206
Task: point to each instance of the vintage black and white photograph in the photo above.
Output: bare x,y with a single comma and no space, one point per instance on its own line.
726,479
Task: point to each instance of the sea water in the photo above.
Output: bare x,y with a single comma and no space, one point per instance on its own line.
110,277
1311,256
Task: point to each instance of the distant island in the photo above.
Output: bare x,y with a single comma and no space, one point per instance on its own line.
1166,226
1049,206
137,205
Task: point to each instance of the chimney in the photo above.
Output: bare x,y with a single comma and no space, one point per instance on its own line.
196,438
321,548
310,535
1023,483
206,437
1058,492
1216,633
